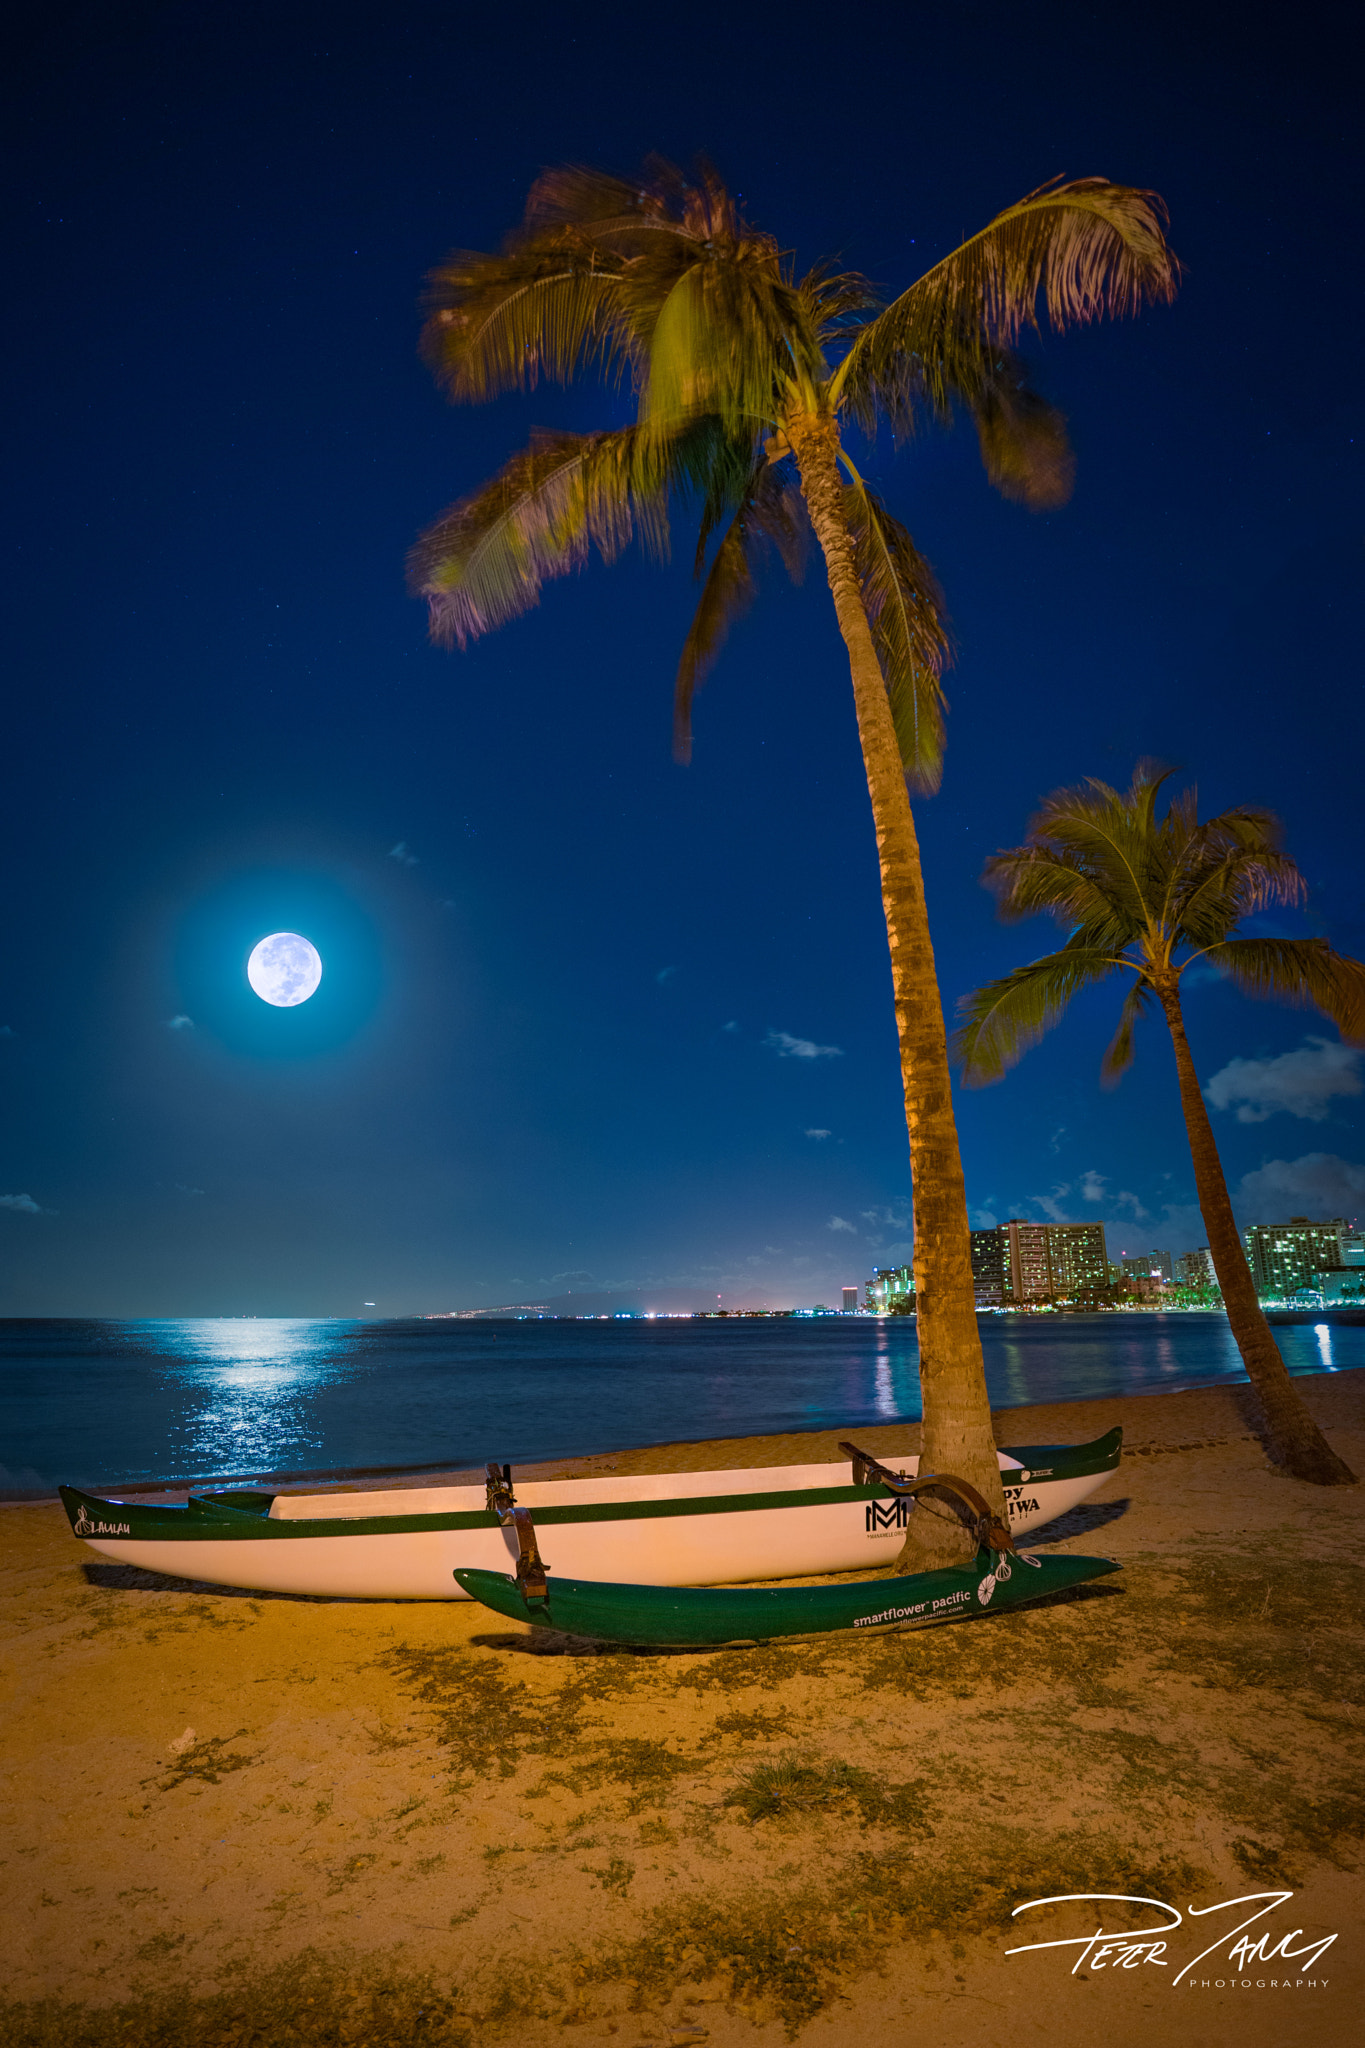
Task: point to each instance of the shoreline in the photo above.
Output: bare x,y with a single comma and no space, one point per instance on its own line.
1213,1411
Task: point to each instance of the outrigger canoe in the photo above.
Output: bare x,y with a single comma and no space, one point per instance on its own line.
704,1617
659,1529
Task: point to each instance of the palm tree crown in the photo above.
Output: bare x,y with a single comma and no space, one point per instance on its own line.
1151,895
662,282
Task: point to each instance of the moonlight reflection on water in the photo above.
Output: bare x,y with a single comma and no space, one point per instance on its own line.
104,1404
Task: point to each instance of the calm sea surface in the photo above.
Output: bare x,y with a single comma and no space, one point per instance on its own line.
109,1403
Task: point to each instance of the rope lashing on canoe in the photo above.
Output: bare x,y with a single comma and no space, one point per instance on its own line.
990,1533
499,1488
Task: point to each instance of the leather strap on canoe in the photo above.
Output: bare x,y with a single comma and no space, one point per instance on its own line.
499,1488
530,1564
989,1531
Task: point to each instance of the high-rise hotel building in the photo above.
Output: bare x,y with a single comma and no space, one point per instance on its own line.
1018,1263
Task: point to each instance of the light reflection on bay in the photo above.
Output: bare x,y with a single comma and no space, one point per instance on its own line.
107,1403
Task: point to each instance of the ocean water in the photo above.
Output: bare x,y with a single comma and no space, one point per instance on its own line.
104,1404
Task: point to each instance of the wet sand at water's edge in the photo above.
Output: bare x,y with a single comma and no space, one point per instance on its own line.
420,1823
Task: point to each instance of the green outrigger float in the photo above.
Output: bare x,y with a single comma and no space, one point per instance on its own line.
701,1617
704,1617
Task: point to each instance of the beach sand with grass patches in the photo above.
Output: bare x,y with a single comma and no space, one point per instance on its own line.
243,1819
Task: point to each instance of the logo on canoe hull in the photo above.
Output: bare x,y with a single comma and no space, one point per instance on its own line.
882,1520
86,1525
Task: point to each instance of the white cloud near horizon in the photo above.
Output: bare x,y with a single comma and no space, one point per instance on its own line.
180,1022
1092,1185
819,1134
789,1048
1318,1184
1301,1082
841,1223
23,1205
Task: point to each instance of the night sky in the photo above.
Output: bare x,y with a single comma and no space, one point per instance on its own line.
590,1020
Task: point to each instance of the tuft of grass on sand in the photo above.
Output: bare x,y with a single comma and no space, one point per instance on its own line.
792,1785
206,1763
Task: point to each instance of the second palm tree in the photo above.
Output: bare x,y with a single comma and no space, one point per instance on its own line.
1152,895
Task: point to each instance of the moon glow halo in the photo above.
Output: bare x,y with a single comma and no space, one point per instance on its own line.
284,969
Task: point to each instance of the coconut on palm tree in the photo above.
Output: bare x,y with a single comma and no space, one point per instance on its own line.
745,378
1149,896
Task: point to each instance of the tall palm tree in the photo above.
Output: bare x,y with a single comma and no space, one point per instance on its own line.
743,376
1149,896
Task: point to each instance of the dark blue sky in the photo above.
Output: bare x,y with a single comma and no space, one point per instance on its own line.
547,1050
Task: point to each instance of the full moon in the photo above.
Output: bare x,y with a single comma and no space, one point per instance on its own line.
284,969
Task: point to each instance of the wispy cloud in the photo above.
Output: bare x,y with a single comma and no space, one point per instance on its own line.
7,1031
1051,1205
1124,1200
1302,1082
577,1277
841,1223
180,1022
665,974
896,1215
1054,1143
1092,1185
24,1205
788,1048
401,854
731,1026
1319,1184
819,1134
983,1219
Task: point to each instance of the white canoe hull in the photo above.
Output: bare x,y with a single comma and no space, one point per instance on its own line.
671,1529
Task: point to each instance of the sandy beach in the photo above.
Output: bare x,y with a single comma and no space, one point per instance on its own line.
242,1819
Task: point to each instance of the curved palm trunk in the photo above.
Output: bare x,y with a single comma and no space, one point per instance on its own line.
957,1418
1297,1441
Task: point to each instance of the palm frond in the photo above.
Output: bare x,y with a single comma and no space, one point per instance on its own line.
1086,249
905,610
771,510
485,560
1109,836
724,339
545,308
1308,973
1036,877
1004,1018
1119,1052
576,196
1025,449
